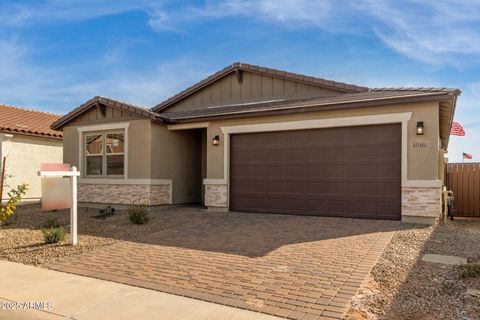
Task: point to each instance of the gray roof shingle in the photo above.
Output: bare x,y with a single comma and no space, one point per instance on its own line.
107,102
276,105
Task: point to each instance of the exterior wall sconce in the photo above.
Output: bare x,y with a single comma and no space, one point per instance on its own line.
216,141
420,128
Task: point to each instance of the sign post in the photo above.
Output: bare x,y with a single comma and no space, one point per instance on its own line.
53,192
73,209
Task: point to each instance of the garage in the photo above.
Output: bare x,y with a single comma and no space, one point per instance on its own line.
339,172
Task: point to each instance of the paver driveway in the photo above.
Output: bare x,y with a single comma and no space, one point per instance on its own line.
289,266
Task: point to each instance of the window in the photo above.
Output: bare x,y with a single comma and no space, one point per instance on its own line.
105,154
115,154
94,154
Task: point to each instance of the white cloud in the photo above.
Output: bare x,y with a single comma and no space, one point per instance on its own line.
11,52
325,14
434,31
437,32
54,11
62,88
14,15
283,11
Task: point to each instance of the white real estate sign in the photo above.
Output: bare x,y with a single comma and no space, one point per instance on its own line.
59,191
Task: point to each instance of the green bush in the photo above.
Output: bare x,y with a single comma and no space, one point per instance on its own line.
51,223
14,197
104,213
53,235
138,214
469,270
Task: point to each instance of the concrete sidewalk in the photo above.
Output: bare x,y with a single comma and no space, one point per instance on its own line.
83,298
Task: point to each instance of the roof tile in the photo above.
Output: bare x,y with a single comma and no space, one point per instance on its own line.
344,99
28,121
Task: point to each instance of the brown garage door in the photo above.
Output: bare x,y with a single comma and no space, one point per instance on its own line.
344,172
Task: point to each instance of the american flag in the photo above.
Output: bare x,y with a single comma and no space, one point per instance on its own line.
457,129
467,156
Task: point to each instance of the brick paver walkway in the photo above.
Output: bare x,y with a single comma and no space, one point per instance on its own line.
289,266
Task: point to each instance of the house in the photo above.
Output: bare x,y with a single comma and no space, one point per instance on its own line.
253,139
27,140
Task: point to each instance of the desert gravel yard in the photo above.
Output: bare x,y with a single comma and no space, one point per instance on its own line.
401,286
23,241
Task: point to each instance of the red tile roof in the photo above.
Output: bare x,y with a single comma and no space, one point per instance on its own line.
28,121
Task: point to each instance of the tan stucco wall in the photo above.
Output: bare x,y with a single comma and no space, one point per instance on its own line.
422,162
139,141
441,165
24,155
153,153
70,145
176,155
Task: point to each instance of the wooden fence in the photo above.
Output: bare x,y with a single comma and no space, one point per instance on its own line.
464,180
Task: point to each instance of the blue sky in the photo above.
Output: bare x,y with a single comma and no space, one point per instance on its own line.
56,54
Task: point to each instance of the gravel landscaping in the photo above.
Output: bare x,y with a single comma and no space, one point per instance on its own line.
403,287
23,241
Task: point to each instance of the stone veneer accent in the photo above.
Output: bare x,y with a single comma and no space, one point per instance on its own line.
216,195
421,202
125,193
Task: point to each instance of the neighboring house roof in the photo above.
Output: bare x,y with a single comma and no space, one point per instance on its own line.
340,86
28,122
115,104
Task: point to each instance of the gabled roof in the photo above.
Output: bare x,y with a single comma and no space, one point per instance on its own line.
353,96
28,121
447,99
301,105
139,111
423,89
340,86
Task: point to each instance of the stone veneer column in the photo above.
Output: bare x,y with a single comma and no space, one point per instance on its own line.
125,193
421,204
216,196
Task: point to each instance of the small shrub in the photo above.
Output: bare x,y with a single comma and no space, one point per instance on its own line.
53,235
104,213
51,223
14,197
138,214
469,270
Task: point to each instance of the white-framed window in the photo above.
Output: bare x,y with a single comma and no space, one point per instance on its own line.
105,154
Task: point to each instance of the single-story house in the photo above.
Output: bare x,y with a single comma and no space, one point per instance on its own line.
254,139
27,141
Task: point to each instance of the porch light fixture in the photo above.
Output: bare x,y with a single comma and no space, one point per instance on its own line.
420,128
216,140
